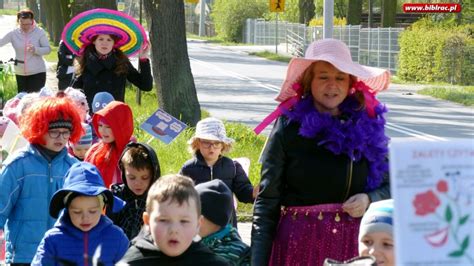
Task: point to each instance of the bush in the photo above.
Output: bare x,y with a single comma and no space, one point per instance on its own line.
229,16
8,87
432,51
336,21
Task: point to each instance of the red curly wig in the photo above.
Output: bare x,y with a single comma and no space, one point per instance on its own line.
35,122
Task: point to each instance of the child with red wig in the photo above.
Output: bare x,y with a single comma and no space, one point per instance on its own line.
114,126
30,177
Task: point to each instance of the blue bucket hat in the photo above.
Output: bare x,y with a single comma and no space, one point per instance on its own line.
84,179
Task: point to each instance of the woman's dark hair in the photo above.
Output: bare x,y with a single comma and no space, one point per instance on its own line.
307,79
121,66
25,14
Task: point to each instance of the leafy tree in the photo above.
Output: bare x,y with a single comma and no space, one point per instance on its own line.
306,8
229,16
171,69
354,12
389,11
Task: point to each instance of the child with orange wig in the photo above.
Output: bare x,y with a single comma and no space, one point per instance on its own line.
30,177
114,126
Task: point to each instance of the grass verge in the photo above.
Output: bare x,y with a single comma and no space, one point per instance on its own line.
53,56
173,155
463,95
272,56
9,12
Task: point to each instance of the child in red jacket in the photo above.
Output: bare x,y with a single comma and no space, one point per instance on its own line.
114,126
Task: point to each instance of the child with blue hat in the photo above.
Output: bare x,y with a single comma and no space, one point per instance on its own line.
82,231
376,233
80,148
101,99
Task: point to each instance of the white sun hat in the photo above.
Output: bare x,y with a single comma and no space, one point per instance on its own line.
211,129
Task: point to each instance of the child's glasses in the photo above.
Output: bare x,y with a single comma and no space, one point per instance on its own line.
55,134
207,144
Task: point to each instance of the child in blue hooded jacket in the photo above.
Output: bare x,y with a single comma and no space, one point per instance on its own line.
30,176
82,234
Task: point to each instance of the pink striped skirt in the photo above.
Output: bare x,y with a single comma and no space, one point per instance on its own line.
309,234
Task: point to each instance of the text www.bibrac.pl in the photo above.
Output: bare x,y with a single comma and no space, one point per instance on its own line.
431,8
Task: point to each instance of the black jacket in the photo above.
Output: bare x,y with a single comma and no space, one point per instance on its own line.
298,172
130,217
225,169
65,60
143,252
99,76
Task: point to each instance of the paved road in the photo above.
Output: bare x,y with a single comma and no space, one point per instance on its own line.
237,87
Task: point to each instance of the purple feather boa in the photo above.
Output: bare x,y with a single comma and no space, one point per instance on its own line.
352,133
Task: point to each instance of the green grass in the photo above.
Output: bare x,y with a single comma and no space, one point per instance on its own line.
272,56
214,39
8,87
463,95
10,12
173,156
53,56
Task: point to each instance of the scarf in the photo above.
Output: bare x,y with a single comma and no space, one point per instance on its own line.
353,133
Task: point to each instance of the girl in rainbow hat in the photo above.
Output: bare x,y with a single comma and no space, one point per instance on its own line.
103,39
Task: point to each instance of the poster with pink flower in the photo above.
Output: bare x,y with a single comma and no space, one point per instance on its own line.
432,185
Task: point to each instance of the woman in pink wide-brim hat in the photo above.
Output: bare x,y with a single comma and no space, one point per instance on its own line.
325,160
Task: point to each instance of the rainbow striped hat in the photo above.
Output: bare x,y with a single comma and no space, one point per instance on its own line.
78,32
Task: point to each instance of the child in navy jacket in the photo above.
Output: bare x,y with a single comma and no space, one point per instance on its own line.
208,145
82,234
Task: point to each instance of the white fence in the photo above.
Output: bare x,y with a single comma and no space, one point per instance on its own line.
373,47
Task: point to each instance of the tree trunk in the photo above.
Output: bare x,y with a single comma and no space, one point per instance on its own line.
65,12
459,14
389,11
57,22
354,12
79,6
306,8
42,13
110,4
171,68
371,14
33,6
2,6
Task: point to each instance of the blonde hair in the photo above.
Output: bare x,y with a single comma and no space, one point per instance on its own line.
73,195
174,187
194,146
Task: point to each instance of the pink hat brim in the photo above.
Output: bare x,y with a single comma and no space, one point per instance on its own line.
377,79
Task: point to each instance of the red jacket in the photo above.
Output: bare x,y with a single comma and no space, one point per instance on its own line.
105,156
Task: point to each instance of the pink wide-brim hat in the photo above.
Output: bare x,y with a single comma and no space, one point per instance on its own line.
338,54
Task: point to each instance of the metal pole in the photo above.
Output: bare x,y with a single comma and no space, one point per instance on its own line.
202,18
276,34
138,96
328,14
